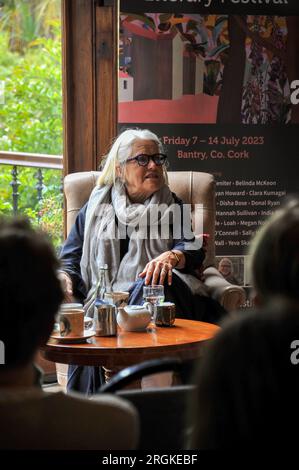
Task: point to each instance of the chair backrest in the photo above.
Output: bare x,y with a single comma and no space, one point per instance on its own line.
162,410
163,416
192,187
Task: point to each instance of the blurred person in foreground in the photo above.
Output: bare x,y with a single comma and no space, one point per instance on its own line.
248,380
31,294
275,255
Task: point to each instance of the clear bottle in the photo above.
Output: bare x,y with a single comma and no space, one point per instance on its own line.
103,283
104,321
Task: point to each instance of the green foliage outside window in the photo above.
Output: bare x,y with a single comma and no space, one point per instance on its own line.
31,116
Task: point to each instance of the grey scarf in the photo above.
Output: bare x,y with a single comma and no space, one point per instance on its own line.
101,237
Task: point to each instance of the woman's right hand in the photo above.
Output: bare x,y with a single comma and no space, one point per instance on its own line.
67,286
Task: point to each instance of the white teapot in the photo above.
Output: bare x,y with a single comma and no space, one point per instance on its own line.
133,317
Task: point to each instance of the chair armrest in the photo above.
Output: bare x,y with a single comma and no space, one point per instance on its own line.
228,295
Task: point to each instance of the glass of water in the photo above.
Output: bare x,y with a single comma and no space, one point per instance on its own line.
154,295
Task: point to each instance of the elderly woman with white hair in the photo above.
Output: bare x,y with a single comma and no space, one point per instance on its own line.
135,224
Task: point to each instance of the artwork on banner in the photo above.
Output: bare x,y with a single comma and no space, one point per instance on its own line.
185,68
220,91
171,67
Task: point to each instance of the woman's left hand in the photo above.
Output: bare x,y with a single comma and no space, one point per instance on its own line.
160,267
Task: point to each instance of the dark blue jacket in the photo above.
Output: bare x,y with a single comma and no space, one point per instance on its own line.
72,251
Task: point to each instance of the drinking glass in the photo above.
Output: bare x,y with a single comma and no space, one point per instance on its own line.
154,295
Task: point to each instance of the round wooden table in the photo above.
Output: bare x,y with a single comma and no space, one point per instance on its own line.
184,340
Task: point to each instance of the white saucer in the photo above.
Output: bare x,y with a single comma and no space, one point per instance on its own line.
73,339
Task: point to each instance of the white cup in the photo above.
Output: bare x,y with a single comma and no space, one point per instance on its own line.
71,322
118,298
74,306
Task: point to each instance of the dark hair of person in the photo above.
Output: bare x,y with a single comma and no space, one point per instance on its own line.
248,383
275,254
30,291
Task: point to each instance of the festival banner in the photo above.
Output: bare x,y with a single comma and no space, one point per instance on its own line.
218,81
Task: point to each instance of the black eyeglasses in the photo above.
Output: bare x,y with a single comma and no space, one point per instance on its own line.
143,159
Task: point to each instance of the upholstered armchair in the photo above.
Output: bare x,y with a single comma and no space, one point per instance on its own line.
193,188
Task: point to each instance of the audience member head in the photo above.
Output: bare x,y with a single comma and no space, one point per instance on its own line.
248,382
275,255
30,291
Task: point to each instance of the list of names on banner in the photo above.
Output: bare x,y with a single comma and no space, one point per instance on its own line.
242,205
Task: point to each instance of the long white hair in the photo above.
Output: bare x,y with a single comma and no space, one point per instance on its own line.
121,150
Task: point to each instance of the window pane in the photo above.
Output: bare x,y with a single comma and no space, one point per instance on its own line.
30,76
31,111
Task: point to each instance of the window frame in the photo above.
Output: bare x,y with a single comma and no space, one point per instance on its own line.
90,81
